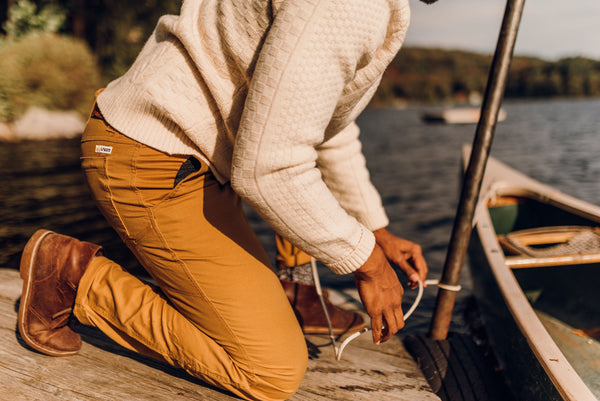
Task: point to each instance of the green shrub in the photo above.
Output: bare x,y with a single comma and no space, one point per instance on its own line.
50,71
24,18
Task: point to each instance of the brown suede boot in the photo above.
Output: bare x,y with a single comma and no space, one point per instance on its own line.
307,306
51,267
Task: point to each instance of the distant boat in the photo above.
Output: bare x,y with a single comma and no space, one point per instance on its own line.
463,115
535,264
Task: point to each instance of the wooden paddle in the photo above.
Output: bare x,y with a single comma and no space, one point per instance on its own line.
461,232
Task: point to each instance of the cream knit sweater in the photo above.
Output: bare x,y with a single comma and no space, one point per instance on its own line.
266,93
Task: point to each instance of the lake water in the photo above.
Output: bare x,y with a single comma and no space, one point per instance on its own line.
415,166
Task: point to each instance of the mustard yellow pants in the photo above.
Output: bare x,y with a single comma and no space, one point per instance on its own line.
220,312
289,255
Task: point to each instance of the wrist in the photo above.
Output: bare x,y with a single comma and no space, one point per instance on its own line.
381,235
372,267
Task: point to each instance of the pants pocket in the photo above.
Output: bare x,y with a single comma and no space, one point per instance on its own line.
189,167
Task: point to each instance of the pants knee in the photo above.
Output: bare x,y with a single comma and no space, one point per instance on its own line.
282,382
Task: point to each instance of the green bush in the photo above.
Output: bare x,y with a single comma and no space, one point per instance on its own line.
24,18
50,71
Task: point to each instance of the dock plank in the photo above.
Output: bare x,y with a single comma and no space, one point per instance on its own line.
103,370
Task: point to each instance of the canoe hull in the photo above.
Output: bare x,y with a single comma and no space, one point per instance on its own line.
521,368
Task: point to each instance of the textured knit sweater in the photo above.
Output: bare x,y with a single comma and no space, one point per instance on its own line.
266,93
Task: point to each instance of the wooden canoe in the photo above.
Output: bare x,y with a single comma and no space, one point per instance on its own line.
534,257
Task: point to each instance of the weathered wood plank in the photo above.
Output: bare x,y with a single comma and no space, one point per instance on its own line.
365,373
103,370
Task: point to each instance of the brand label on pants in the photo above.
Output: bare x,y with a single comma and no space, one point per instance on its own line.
104,149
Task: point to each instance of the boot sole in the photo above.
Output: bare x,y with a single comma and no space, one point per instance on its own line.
26,268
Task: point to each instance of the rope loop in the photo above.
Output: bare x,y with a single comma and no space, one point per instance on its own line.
448,287
338,350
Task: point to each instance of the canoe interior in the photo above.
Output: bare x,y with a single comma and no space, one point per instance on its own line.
565,296
568,292
519,213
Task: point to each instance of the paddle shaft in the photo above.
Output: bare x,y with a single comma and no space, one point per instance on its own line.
482,143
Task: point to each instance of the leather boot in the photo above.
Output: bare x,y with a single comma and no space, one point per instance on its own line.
51,267
307,306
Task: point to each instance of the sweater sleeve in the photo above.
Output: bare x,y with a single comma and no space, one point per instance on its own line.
345,173
310,55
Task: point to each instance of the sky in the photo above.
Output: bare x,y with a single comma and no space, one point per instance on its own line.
549,29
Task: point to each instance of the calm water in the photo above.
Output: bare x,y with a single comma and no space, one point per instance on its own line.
414,165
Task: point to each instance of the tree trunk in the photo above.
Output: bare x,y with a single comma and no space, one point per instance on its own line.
79,19
4,13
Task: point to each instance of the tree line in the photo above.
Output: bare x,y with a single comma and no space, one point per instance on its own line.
115,30
438,75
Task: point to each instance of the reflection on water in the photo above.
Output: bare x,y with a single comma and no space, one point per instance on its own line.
43,187
414,165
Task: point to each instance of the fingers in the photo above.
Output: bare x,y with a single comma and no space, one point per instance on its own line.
404,253
384,326
410,272
420,264
377,327
412,263
393,321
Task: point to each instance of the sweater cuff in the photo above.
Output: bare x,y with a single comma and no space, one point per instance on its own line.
358,256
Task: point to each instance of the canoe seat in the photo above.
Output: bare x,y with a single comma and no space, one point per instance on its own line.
547,246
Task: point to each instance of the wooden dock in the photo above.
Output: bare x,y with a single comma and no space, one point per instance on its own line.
103,370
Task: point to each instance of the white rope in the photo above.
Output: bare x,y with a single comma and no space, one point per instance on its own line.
315,273
338,351
448,287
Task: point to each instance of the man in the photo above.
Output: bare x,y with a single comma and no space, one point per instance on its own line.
230,100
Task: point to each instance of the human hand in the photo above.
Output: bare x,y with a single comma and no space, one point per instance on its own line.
405,254
381,294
